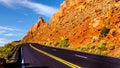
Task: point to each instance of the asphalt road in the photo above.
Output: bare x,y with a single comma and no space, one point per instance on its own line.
39,56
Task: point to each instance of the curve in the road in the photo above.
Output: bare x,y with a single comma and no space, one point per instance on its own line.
36,55
56,58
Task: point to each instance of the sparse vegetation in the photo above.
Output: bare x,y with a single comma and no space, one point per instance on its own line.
84,48
102,45
100,49
109,21
92,47
94,39
104,31
112,31
103,53
64,43
55,43
47,43
98,52
6,51
111,46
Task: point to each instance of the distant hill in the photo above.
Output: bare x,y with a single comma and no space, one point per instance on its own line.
91,26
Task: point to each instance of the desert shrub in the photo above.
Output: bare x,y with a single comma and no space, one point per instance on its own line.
55,43
47,43
5,51
111,46
90,51
109,21
104,31
103,53
102,45
84,48
64,43
92,47
98,51
112,31
8,46
94,39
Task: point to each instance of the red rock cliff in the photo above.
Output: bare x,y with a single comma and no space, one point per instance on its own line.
89,25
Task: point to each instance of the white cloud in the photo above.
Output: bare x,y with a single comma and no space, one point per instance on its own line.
40,8
1,32
6,2
3,41
6,28
10,31
37,7
9,34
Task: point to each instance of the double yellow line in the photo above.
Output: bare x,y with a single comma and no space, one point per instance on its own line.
56,58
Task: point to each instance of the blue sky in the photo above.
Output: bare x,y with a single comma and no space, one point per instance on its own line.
17,16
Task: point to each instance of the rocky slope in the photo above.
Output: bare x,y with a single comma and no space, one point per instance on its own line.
86,25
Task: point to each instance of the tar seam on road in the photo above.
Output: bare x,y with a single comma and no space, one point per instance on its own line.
56,58
22,63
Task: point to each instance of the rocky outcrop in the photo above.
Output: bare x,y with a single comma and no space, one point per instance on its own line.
41,23
35,30
90,25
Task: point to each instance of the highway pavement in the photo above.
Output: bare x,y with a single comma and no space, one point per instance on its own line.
39,56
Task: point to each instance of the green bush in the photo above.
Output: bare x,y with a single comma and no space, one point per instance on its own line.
47,43
92,47
102,45
112,31
94,39
6,51
84,48
111,47
98,52
109,21
104,31
103,53
90,51
64,43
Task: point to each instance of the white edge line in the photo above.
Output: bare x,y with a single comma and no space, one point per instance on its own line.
81,56
22,63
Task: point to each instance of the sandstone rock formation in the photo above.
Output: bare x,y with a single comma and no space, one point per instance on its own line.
89,25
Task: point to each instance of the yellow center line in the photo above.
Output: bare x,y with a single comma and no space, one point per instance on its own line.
56,58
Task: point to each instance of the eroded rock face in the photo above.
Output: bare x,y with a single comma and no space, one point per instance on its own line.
39,24
82,22
35,29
